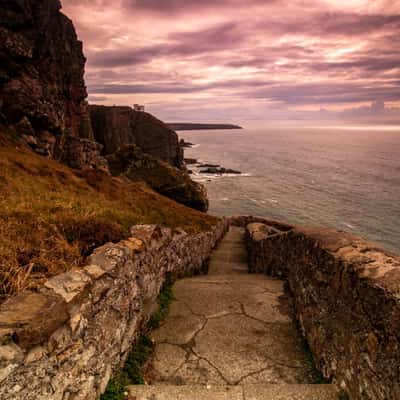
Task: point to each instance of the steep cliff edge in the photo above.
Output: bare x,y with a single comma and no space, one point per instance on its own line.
115,127
42,90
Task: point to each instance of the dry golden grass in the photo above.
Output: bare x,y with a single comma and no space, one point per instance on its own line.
52,217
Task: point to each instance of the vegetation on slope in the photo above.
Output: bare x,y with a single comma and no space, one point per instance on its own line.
52,217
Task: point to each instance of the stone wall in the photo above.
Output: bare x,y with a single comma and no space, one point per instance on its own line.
65,341
347,299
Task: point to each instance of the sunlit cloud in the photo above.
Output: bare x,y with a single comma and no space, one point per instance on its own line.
191,59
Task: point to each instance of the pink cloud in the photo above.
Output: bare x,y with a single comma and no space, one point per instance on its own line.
323,53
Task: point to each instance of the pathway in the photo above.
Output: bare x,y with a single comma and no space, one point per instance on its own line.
229,335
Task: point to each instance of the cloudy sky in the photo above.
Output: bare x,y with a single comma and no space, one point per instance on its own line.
244,60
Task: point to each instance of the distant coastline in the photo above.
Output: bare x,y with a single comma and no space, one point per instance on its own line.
183,126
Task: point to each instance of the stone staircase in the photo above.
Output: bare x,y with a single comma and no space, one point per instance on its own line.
229,335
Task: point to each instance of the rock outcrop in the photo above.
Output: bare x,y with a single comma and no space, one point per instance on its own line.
115,127
159,175
42,90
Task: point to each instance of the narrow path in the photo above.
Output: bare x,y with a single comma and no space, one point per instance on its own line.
229,335
228,327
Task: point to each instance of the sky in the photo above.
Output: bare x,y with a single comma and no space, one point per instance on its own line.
244,60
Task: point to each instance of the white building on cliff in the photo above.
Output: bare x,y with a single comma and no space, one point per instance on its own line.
138,107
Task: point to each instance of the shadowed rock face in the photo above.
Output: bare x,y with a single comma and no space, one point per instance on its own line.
159,175
42,90
115,127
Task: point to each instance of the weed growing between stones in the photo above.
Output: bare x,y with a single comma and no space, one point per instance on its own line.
343,395
131,374
315,375
164,301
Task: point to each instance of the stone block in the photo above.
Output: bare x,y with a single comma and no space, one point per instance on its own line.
70,285
33,317
110,257
94,271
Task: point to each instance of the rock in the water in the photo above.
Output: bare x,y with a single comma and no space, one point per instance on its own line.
191,161
209,165
115,127
185,144
219,171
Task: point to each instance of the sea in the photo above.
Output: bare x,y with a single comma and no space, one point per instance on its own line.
345,176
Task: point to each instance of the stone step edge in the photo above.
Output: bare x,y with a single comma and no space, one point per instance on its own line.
240,392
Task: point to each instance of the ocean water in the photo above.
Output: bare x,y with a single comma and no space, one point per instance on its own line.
343,177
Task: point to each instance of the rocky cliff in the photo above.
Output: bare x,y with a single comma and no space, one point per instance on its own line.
115,127
43,101
42,90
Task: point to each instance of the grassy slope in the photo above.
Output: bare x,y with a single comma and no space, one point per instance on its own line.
51,217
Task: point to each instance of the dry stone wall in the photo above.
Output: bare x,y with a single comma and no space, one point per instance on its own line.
65,341
347,299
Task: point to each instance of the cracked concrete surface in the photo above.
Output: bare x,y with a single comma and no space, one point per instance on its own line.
228,327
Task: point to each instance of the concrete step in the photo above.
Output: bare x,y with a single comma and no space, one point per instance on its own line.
244,392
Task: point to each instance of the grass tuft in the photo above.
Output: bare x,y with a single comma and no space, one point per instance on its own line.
164,300
343,395
315,375
131,374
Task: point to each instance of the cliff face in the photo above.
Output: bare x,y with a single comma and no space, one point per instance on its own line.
42,90
115,127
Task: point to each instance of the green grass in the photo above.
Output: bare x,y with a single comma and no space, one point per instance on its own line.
343,395
115,390
164,301
132,372
315,375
